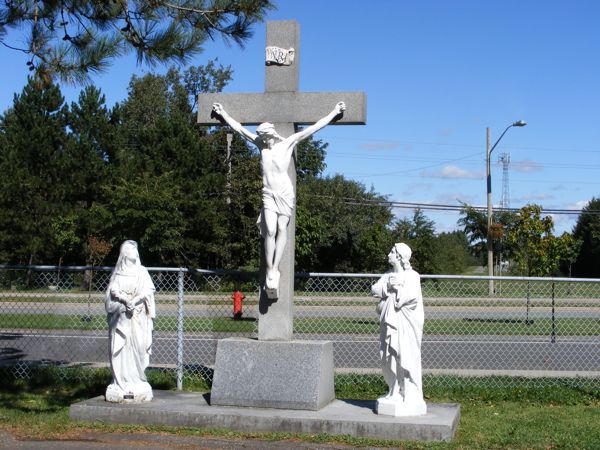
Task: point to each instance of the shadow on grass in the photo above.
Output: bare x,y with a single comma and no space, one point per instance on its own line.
51,388
45,390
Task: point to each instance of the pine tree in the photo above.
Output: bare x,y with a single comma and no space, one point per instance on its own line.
158,140
71,39
587,230
88,161
33,187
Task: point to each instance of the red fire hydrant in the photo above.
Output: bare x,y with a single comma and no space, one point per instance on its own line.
238,298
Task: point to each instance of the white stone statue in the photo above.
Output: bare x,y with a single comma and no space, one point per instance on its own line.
130,312
278,196
401,318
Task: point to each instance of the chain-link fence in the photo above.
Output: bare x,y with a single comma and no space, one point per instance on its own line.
535,327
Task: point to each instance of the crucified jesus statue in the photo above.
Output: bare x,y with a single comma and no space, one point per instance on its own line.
278,196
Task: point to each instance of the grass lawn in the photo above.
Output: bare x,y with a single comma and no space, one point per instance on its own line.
557,416
470,326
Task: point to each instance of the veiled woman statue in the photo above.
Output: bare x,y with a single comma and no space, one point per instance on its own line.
131,310
401,318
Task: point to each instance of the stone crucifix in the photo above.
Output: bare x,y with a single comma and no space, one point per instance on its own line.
281,107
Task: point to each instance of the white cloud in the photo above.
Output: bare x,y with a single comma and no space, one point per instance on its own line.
526,166
453,172
563,223
578,205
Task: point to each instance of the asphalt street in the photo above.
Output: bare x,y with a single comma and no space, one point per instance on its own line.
347,310
501,353
473,352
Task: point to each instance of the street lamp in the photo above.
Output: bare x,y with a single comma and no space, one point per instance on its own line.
490,250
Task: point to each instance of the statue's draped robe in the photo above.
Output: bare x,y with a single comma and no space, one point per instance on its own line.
130,333
401,329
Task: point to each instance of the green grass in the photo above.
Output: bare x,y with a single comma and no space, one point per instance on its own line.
496,413
474,326
514,327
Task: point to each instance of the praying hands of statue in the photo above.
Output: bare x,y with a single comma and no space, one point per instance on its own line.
129,304
118,297
395,284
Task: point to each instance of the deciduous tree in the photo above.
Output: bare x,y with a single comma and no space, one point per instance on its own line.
536,251
341,226
453,253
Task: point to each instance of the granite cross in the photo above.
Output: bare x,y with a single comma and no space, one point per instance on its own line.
284,106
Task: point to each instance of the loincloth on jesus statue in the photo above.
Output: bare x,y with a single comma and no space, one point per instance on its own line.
280,202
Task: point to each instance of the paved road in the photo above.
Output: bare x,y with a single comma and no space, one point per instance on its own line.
439,352
501,353
303,311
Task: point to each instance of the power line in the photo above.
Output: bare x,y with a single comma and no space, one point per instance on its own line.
450,144
404,158
445,207
417,205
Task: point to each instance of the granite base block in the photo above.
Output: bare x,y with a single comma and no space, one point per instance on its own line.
340,417
273,374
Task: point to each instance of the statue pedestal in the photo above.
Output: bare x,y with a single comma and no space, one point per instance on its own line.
273,374
135,393
399,408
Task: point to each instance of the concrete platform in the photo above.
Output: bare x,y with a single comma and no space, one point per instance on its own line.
349,417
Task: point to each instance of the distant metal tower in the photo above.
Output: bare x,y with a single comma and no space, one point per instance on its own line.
504,158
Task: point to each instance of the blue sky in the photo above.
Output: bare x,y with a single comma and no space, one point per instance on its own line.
436,74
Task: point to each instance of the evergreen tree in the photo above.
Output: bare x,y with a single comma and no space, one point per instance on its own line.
34,183
240,204
154,139
73,38
419,234
587,230
158,139
88,161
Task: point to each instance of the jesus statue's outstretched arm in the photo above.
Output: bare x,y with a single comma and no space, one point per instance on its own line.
234,124
295,138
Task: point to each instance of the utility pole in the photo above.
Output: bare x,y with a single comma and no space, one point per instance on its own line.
229,141
488,154
490,245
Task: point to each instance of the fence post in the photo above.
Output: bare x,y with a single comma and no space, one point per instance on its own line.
553,334
527,321
180,330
